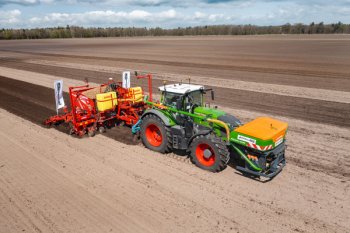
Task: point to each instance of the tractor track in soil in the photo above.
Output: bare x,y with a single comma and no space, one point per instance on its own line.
301,108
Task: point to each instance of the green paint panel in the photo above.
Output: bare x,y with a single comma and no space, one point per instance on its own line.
214,113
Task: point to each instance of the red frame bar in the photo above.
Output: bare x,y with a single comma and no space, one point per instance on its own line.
149,77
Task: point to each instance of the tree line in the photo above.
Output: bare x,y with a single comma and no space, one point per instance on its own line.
81,32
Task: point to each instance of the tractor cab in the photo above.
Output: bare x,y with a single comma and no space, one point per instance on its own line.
190,98
183,97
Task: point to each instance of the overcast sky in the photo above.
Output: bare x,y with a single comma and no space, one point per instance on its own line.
168,13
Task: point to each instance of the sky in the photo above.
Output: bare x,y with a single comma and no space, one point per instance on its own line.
168,13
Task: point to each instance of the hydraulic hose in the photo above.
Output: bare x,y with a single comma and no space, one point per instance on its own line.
254,166
223,124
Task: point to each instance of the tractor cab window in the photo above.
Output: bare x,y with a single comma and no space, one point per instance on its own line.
170,99
193,99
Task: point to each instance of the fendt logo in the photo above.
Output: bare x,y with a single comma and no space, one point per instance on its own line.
246,139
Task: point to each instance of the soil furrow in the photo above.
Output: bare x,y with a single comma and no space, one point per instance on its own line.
217,81
341,84
197,65
302,108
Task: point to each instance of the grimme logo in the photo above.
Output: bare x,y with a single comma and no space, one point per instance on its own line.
246,139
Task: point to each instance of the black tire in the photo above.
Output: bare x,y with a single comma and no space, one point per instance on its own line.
121,124
152,121
219,153
49,125
91,132
102,129
70,128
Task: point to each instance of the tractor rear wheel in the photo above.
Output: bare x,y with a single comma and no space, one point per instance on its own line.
209,152
155,135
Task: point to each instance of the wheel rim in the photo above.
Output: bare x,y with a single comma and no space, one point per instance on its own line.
202,158
154,135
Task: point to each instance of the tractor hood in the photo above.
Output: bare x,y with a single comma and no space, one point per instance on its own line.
213,113
210,112
263,133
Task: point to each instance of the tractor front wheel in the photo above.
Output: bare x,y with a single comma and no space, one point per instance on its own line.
209,152
155,135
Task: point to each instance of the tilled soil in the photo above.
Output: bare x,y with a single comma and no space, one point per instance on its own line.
35,103
334,75
310,61
51,182
302,108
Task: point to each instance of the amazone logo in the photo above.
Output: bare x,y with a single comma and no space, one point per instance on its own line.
246,139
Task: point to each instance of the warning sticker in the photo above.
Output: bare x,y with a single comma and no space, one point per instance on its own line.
279,142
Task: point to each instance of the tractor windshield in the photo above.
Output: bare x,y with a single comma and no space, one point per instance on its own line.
194,99
170,99
197,97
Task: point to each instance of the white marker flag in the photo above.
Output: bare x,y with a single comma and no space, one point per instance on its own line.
126,79
59,94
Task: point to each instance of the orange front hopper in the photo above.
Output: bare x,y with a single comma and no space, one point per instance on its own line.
264,128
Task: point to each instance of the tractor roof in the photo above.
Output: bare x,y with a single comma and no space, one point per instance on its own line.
180,88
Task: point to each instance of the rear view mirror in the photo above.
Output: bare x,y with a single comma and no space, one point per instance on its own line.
212,95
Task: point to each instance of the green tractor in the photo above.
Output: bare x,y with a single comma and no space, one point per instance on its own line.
211,137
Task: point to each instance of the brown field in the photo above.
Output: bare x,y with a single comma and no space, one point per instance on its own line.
50,182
